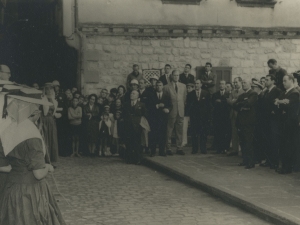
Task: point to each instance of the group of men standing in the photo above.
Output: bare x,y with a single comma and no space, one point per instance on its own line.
260,117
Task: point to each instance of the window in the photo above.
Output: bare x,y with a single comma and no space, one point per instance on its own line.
182,2
257,3
222,73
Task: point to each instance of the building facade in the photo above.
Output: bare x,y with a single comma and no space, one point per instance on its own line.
240,35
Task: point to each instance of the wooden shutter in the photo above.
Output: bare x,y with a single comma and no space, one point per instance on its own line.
222,73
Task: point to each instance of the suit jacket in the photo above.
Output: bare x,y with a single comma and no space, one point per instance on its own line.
178,99
156,115
164,79
132,117
210,87
95,112
232,98
199,110
289,112
279,74
186,80
146,98
221,109
268,103
245,105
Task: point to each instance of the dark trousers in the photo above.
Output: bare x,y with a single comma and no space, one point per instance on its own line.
199,135
246,133
260,146
222,131
133,153
288,146
273,142
158,136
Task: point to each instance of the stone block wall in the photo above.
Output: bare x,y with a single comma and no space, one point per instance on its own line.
107,60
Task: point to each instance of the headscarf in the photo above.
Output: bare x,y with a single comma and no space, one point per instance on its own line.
17,127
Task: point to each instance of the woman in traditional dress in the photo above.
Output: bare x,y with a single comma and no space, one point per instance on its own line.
26,198
92,117
49,123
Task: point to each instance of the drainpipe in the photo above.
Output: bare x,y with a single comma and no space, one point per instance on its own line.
73,36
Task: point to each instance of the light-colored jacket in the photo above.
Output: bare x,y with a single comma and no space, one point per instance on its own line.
232,99
178,99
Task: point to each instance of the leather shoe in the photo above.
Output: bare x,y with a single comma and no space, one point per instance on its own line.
180,152
230,153
242,164
266,164
284,171
250,166
169,152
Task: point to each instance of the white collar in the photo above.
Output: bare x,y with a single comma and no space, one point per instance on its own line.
288,90
248,90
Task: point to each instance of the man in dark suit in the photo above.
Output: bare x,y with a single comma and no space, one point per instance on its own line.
165,79
278,72
288,104
133,112
208,79
245,122
221,118
198,106
271,117
161,106
186,77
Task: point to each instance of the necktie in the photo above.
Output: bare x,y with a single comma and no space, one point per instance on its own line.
198,95
132,103
176,88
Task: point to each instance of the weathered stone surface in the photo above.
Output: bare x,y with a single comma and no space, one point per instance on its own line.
114,56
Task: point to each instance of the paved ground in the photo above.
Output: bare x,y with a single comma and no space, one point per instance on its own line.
261,187
107,191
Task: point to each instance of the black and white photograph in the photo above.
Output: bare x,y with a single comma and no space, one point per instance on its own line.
149,112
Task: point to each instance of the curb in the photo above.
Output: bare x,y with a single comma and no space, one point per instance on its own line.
216,192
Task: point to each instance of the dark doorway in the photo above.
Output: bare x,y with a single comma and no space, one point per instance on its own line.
33,49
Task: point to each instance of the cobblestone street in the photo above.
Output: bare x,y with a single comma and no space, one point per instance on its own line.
107,191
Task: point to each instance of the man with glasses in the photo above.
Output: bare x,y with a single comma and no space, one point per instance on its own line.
4,72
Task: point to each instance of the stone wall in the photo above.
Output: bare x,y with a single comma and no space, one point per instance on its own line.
107,60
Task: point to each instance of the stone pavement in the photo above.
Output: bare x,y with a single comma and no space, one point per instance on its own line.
260,190
109,192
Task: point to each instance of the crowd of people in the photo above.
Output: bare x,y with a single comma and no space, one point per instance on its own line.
258,117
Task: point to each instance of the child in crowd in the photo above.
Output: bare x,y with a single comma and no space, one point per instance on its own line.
105,133
117,133
75,115
114,92
74,89
117,106
111,100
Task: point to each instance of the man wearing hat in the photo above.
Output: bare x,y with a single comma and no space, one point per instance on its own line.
153,79
4,72
186,77
245,122
135,74
134,86
221,118
260,132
